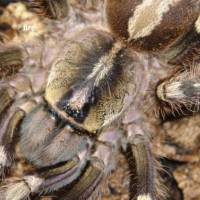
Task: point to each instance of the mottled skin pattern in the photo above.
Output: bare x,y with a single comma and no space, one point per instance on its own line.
87,97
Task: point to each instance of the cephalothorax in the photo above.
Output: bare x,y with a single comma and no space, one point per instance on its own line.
87,98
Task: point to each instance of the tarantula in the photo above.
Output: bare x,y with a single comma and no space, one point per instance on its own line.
65,117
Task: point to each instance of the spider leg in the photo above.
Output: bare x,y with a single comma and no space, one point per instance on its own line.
84,173
10,60
58,177
49,8
50,180
96,168
69,164
9,125
89,184
100,165
55,166
15,85
51,141
10,63
144,180
181,90
8,128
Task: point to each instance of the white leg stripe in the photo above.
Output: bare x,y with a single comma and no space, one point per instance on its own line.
197,25
3,156
144,197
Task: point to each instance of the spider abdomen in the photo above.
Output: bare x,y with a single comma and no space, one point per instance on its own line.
152,25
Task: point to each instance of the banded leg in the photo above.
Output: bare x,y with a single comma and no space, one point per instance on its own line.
91,177
182,90
10,63
54,174
142,176
10,60
14,90
89,185
83,174
145,183
9,128
49,8
41,182
100,165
